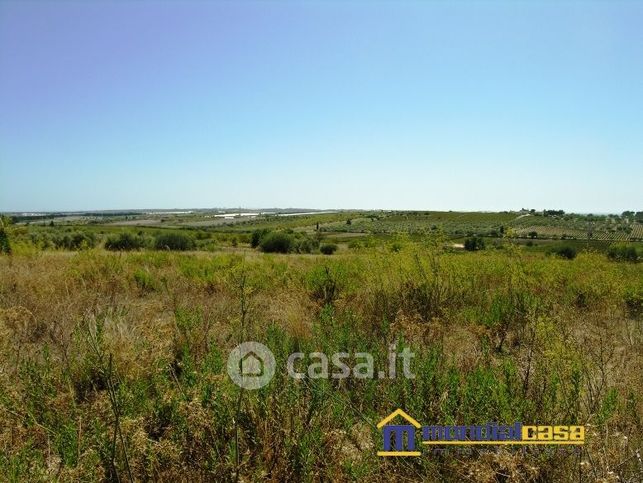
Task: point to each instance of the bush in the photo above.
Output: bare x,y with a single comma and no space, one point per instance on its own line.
328,248
325,284
125,241
473,244
173,241
565,252
622,252
306,245
634,301
257,236
75,241
276,243
42,240
5,246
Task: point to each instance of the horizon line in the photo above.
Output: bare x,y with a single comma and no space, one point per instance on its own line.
297,209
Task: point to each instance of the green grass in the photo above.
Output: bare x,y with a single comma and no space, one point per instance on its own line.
114,363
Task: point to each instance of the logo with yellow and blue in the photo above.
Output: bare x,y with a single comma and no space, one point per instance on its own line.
400,438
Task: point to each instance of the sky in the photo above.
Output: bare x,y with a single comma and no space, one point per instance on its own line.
477,106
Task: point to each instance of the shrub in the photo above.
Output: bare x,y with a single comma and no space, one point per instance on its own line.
566,251
5,246
125,241
75,241
328,248
174,241
306,245
276,243
325,284
634,300
257,236
622,252
202,235
41,240
474,243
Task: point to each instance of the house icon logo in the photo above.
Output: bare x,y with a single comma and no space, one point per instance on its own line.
251,365
399,439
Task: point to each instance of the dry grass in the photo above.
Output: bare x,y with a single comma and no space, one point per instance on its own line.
499,335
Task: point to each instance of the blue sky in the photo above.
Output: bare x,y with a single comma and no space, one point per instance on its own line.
401,105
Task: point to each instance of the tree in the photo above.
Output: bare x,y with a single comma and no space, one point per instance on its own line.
553,212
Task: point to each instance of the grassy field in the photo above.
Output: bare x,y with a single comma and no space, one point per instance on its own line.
523,224
113,363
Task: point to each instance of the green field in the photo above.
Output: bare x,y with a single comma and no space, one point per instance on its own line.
217,229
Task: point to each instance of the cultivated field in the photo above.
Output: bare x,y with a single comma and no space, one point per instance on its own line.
523,224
